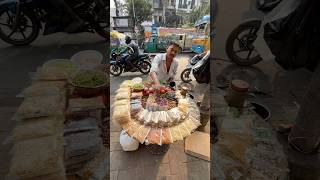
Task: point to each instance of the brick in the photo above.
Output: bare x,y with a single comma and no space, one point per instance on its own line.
121,160
114,175
115,146
115,127
195,170
156,170
171,177
131,174
151,158
114,137
179,155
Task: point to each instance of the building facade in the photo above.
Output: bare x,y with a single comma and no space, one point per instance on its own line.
169,13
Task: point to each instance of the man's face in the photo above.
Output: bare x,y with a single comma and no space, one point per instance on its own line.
172,50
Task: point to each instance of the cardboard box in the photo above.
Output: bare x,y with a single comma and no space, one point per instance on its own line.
198,145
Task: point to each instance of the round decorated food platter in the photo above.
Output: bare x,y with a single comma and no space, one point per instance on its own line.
154,115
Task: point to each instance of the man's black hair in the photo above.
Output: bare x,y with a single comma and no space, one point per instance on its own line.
173,43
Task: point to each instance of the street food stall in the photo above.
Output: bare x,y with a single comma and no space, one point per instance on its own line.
152,115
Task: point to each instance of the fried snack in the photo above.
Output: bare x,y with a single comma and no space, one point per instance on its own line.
121,102
42,106
48,158
163,118
183,105
160,137
123,89
127,125
121,114
194,114
142,114
195,121
169,120
178,94
37,128
142,133
126,83
154,136
133,129
155,117
122,95
166,136
182,115
148,118
176,135
190,125
173,114
135,109
183,130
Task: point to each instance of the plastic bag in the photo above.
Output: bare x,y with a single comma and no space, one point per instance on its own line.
44,88
142,133
122,95
154,136
48,158
42,106
57,69
36,128
121,114
128,143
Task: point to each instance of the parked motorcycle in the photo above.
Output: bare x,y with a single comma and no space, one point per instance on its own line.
239,45
142,63
193,62
21,20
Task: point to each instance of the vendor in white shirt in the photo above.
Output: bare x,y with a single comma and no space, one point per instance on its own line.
164,66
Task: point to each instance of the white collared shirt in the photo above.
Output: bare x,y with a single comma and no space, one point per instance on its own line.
159,66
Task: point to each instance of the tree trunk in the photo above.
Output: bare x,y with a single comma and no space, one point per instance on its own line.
305,135
117,7
164,19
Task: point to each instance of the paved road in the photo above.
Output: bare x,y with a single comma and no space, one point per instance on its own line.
17,62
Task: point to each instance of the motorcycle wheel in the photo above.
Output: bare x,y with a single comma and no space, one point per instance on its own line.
240,42
144,67
115,70
185,75
27,23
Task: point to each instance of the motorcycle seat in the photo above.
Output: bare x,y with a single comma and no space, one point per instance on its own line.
143,55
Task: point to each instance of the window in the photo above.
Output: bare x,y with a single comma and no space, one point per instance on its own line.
185,4
155,19
181,38
160,19
172,2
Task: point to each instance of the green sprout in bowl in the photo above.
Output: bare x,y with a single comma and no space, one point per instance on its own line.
90,79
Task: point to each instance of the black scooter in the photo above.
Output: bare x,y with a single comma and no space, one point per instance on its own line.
21,20
239,45
142,63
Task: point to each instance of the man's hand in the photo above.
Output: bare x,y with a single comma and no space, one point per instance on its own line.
170,80
157,83
155,79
